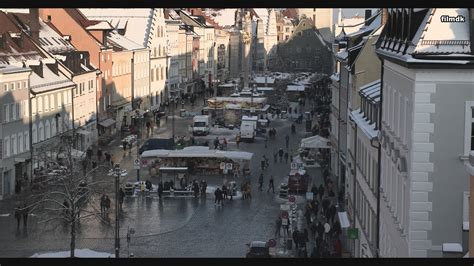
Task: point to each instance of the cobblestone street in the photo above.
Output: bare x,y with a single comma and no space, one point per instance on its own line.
172,227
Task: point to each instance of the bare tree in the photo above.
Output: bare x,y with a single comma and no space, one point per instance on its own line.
67,188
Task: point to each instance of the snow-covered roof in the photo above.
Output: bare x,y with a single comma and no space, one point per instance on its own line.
335,77
371,91
265,89
295,88
362,123
137,21
376,22
8,69
51,41
49,81
349,25
223,17
198,152
123,42
342,54
452,247
445,38
103,25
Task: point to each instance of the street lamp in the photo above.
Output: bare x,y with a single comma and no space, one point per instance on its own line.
117,173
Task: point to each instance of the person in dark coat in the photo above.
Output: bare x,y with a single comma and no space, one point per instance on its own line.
296,239
260,182
280,153
17,217
325,205
160,190
321,192
332,213
275,155
99,155
121,197
25,212
271,185
286,156
224,192
320,230
217,196
216,143
278,226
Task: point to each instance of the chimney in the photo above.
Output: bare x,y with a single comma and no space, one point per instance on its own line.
36,66
52,64
368,14
384,16
34,24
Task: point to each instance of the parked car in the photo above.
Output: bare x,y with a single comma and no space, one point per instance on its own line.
157,144
258,249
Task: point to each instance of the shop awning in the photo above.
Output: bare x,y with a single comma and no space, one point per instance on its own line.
83,132
198,152
315,142
107,122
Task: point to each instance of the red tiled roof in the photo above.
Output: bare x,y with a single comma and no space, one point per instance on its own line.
290,13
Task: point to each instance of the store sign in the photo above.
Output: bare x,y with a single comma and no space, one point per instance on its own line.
228,166
292,199
284,215
222,166
284,207
353,233
309,195
144,163
284,221
294,166
136,164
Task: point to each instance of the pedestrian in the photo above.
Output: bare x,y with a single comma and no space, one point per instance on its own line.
216,195
102,204
237,140
216,143
107,157
278,227
337,248
260,182
17,217
224,144
107,203
121,197
99,155
25,215
249,191
160,189
280,153
124,144
321,192
295,236
286,156
271,185
262,163
275,155
287,139
293,128
332,213
224,191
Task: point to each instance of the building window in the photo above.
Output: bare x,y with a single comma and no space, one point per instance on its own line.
40,105
18,85
5,87
469,128
13,145
6,113
20,142
51,101
13,111
12,86
6,142
26,135
34,134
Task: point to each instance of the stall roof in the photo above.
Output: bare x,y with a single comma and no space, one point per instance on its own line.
198,152
265,89
295,88
261,80
315,142
239,99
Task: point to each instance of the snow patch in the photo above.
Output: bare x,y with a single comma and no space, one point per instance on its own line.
80,253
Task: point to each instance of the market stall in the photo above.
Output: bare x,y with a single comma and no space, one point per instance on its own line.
199,160
314,150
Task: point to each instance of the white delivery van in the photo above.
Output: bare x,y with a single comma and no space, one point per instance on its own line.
248,128
201,125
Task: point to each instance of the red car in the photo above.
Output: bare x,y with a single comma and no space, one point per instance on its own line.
298,181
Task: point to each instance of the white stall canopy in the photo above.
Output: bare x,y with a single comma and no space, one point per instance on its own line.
315,142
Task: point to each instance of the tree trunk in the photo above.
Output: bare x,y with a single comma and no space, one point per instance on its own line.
73,237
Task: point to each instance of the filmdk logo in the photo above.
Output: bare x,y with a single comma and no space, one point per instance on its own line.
458,18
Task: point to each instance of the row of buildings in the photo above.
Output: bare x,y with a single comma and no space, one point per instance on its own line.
93,72
401,130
